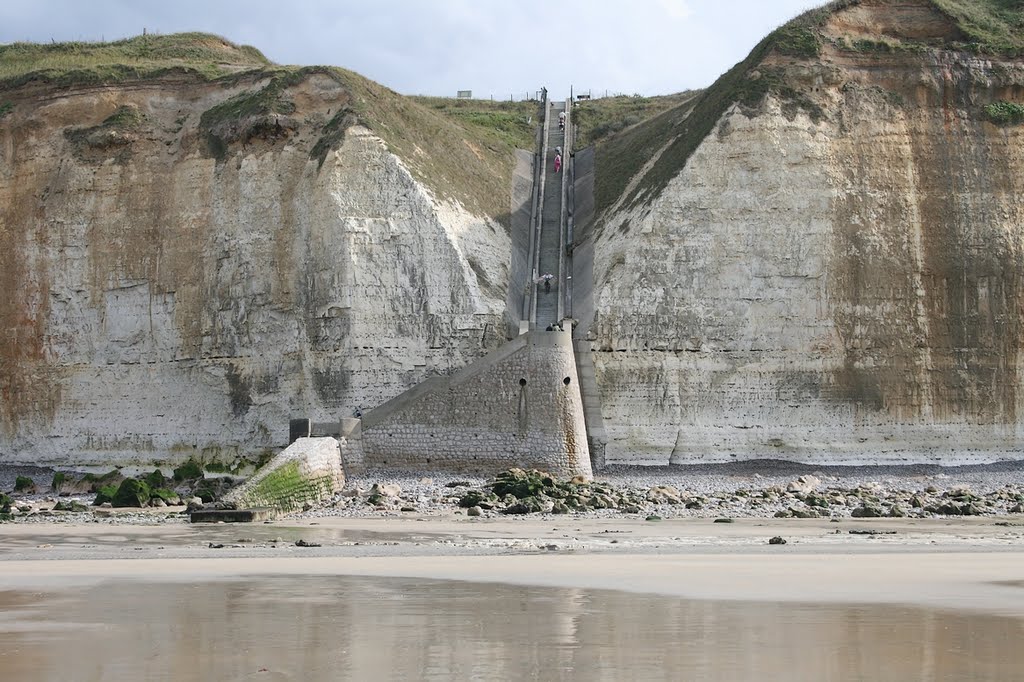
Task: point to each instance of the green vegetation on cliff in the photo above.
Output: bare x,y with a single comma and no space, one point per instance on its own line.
670,138
991,26
594,120
145,56
666,141
466,158
509,123
460,150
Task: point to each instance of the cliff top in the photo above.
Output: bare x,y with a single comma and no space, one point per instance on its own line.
853,27
460,150
142,56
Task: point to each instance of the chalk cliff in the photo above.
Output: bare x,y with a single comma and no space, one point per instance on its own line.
187,261
821,260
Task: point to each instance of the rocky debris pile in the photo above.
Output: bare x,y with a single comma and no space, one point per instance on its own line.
80,493
518,491
807,499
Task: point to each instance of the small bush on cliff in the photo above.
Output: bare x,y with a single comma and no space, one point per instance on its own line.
58,480
6,108
24,484
5,503
1005,113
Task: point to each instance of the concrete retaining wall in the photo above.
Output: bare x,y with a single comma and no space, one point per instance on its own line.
519,406
308,471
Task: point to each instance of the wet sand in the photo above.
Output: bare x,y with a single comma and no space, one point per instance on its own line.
290,627
972,565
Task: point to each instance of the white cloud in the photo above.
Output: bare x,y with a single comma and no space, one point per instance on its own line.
440,46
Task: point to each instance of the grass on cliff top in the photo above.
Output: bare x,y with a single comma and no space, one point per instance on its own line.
511,123
680,130
993,26
462,154
594,120
460,151
143,56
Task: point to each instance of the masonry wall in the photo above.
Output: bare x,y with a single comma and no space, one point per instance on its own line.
307,472
519,406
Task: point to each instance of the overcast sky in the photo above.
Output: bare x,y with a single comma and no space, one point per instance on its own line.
492,47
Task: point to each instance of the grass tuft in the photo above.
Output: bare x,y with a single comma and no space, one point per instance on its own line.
144,56
994,27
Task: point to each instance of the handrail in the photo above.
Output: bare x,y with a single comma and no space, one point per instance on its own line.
529,292
563,279
540,210
569,207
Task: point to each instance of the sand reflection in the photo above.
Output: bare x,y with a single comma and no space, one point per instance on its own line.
317,628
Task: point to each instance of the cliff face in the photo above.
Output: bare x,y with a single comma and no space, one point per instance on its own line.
836,275
185,265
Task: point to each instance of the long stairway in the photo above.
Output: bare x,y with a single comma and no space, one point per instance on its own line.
551,225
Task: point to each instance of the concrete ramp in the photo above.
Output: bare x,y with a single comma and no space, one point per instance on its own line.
520,406
308,471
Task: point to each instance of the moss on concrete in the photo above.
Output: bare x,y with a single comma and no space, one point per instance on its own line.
286,489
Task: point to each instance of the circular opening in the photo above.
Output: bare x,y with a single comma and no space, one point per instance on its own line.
522,382
567,381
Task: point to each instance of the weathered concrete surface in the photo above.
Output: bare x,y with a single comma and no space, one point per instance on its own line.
308,471
847,291
518,407
233,515
160,302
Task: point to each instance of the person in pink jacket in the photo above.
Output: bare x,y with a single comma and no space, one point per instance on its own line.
558,163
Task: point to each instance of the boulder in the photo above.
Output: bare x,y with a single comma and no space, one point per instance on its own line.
474,511
664,494
866,511
803,484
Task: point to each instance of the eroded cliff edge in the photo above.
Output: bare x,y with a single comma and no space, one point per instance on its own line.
187,261
833,273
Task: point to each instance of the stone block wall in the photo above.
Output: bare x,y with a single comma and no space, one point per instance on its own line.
519,406
308,471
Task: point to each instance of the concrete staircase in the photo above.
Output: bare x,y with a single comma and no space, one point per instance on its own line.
548,309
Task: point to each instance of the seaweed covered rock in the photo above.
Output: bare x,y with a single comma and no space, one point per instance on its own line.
522,484
131,493
70,506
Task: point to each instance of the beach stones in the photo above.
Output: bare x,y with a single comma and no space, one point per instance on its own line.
867,511
664,494
803,484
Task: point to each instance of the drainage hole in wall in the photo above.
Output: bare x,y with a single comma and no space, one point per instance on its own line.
567,381
522,382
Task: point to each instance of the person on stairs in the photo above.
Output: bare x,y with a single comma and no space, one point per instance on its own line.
561,120
558,163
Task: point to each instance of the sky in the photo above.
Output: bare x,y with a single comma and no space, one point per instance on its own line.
495,48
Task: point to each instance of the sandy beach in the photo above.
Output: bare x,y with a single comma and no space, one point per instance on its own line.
971,564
